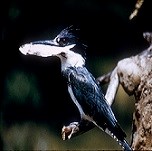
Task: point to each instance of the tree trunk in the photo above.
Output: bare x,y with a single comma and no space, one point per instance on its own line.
135,76
142,118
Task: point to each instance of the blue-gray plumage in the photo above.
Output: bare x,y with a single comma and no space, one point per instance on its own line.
82,86
92,104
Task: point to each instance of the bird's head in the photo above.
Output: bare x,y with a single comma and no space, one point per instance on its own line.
65,45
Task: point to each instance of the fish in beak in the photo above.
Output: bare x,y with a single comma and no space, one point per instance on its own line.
45,48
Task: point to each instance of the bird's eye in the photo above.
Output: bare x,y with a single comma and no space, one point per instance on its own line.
61,41
57,40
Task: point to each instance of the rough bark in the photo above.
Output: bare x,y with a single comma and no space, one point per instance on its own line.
142,118
135,76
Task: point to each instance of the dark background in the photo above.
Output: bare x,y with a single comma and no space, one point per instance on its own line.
33,95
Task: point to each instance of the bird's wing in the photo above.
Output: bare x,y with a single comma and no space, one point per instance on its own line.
89,95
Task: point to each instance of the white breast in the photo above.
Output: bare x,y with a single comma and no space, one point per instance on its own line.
72,59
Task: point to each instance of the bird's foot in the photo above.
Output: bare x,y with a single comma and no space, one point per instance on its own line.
68,131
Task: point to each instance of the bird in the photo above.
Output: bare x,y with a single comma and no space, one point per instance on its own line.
83,88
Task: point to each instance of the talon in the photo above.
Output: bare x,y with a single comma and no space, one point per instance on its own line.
68,131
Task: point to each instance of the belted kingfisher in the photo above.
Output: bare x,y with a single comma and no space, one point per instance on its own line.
84,90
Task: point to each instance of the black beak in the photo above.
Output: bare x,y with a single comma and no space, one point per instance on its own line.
45,42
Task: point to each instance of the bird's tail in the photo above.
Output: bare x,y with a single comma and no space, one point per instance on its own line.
125,145
121,141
